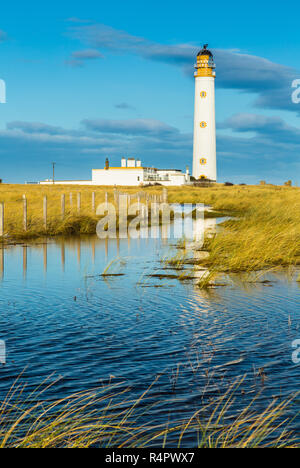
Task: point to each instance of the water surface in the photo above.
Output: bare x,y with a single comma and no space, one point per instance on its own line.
57,315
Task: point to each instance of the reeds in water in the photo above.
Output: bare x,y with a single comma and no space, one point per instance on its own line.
107,417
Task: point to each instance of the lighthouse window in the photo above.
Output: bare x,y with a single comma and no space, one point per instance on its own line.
203,124
203,94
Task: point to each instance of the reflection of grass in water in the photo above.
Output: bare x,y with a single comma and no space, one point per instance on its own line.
180,259
177,260
106,417
117,262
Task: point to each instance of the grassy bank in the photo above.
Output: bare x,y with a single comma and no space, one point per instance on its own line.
264,233
74,221
107,417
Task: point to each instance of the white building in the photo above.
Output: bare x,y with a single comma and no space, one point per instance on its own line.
204,155
130,173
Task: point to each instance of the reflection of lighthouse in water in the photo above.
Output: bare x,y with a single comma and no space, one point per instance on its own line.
208,227
201,228
198,228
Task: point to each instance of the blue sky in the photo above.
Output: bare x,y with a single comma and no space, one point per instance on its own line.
87,80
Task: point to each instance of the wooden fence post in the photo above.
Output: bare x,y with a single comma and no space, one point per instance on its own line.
165,195
78,202
63,205
45,210
1,264
24,212
1,219
71,200
93,201
106,200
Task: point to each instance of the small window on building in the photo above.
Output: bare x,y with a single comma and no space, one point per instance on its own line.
138,178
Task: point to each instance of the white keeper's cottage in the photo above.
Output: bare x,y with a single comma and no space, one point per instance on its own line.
130,173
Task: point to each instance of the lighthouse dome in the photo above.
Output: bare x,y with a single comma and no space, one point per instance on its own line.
205,51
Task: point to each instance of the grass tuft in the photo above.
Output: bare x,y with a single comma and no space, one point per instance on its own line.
106,417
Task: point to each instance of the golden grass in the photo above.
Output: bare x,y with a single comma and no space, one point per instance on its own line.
106,417
265,230
264,233
73,223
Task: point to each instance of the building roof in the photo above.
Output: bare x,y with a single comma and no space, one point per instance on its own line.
176,170
205,51
121,168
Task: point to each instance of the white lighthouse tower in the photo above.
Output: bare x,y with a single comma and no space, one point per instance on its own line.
204,156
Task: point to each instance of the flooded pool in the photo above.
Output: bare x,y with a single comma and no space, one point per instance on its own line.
59,315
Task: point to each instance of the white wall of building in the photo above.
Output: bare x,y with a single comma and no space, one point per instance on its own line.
118,176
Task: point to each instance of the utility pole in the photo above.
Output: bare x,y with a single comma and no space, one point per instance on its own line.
53,167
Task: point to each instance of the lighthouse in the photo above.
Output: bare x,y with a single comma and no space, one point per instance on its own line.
204,154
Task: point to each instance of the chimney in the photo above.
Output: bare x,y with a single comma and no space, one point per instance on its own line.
131,162
138,163
123,162
106,164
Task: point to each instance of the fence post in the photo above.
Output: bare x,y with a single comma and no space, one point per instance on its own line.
156,206
45,212
78,202
1,219
24,212
93,201
106,200
63,205
71,200
165,195
146,209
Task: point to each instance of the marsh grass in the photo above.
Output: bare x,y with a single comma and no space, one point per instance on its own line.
265,232
106,417
208,279
74,222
